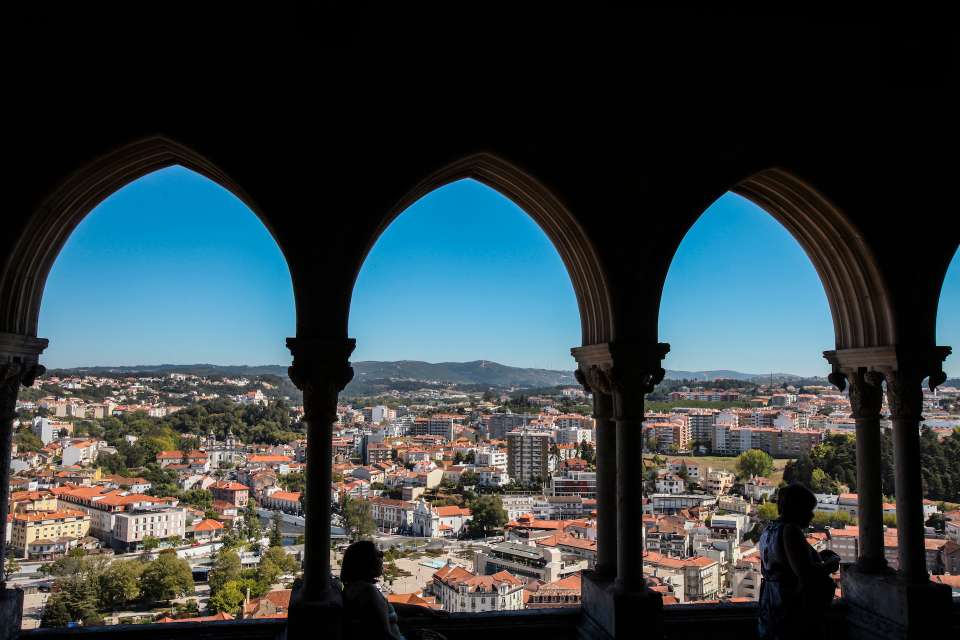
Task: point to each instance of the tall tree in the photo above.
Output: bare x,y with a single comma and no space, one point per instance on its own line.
754,462
225,568
166,578
488,515
358,519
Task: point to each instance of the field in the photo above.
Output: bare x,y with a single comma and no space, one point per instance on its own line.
728,463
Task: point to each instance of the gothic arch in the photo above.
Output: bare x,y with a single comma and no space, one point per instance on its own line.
25,273
569,238
858,297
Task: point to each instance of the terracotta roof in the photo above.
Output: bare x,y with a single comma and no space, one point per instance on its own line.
415,599
454,577
562,539
269,459
229,486
219,616
289,496
39,516
208,525
451,511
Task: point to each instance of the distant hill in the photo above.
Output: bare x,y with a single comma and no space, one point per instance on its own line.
727,374
476,372
482,372
194,369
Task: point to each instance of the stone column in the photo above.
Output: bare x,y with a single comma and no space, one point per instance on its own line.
881,604
905,400
596,382
636,371
615,596
18,366
866,398
321,369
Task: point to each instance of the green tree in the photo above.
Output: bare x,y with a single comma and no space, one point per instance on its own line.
228,598
274,563
12,565
276,533
150,543
469,479
27,440
225,568
120,584
358,519
767,511
820,482
754,463
488,515
799,471
55,612
166,578
890,520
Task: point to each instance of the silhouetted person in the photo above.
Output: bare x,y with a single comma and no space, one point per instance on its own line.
367,614
797,587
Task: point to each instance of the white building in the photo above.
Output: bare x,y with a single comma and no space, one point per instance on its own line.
461,591
83,452
392,516
439,522
130,528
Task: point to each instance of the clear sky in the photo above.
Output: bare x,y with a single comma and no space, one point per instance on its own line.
174,269
170,269
464,274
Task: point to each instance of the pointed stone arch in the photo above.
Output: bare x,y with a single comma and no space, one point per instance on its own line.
568,237
25,273
856,292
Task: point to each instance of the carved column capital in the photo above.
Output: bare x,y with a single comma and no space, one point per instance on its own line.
903,369
866,392
19,365
321,369
627,371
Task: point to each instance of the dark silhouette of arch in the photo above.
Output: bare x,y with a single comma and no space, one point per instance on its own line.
858,297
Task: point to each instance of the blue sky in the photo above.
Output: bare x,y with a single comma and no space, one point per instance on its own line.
174,269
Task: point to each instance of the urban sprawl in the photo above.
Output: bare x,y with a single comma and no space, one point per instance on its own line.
164,498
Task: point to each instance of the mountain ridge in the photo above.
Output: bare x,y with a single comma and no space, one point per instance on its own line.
472,372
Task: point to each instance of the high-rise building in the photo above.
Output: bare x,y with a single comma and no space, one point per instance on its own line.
528,455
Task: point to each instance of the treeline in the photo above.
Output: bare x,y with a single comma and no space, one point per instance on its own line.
833,463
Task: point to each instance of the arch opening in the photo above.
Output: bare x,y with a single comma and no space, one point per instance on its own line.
168,271
567,236
461,270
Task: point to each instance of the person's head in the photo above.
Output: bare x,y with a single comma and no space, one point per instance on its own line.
796,503
362,562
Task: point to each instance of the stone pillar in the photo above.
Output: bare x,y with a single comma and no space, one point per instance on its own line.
866,398
18,366
905,400
879,603
636,371
626,373
594,380
321,369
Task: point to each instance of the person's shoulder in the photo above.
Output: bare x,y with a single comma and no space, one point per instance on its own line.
360,590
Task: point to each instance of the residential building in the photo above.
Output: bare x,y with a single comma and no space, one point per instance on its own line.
582,484
392,516
131,527
528,455
461,591
30,527
233,492
286,501
528,562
